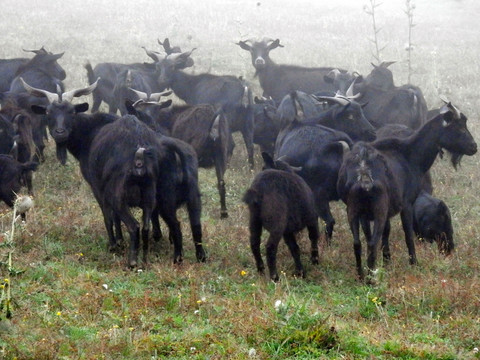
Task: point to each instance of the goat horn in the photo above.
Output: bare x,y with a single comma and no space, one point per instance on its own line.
156,96
69,95
141,95
154,55
175,56
349,93
337,99
386,64
51,97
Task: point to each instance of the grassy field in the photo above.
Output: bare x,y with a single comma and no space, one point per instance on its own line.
74,300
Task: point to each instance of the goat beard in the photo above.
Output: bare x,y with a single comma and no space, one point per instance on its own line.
62,153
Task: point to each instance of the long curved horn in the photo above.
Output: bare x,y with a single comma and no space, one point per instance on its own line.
51,97
349,93
38,52
336,99
140,94
386,64
69,95
156,96
154,55
175,56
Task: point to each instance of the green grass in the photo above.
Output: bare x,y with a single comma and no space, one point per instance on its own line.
74,300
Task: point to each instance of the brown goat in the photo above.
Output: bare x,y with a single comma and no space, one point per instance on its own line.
281,202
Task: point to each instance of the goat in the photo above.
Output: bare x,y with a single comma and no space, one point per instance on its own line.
280,80
227,92
20,141
432,221
11,68
282,203
124,166
177,185
109,73
12,174
386,103
205,129
399,165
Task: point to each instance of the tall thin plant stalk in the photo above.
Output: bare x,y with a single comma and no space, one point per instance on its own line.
410,6
370,10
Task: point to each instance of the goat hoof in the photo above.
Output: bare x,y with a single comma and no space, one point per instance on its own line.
132,264
178,260
201,257
223,215
315,260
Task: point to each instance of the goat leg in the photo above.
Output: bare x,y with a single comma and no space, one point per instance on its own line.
272,246
255,237
295,251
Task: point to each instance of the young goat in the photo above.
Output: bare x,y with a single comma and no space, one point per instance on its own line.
432,221
282,203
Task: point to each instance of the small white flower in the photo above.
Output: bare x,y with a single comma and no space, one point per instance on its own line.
105,286
475,350
278,304
193,348
140,270
196,312
252,352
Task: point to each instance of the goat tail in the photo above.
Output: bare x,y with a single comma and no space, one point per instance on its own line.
187,156
90,74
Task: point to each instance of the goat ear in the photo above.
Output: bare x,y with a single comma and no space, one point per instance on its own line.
268,160
274,44
79,108
38,109
188,63
244,45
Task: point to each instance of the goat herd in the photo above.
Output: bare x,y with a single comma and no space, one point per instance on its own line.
325,134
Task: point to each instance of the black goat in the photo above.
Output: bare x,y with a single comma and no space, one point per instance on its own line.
229,93
389,104
43,60
205,129
399,165
124,167
432,222
21,139
282,203
318,151
280,80
111,74
12,175
177,185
